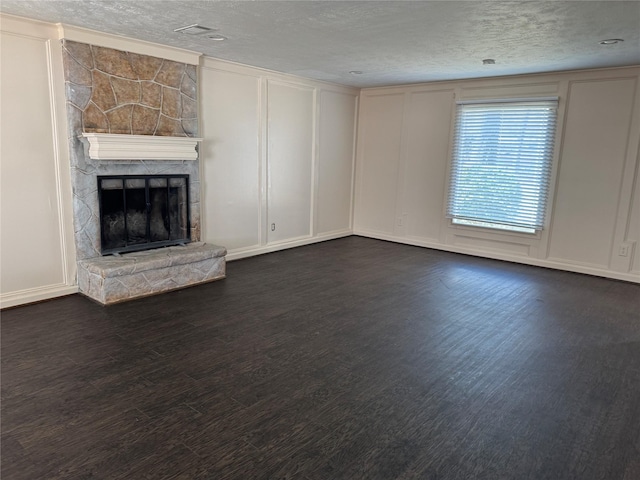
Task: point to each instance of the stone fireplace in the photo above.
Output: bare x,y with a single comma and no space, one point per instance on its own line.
133,115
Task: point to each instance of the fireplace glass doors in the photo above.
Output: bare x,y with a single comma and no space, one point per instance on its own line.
140,212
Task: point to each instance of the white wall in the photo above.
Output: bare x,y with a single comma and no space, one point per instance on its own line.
335,168
230,154
36,235
404,147
277,158
290,127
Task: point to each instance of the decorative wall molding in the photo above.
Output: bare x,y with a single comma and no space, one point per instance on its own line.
228,66
554,263
27,27
114,147
252,251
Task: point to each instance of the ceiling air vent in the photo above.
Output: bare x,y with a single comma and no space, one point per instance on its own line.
194,29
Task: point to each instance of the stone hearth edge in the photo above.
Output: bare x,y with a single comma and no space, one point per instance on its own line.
114,279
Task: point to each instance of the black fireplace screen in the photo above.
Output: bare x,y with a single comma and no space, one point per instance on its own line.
139,212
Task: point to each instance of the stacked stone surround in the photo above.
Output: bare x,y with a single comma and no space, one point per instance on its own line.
110,91
115,92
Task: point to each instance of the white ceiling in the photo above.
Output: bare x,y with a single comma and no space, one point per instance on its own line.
391,42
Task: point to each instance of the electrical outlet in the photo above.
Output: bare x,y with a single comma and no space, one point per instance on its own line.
624,250
273,227
400,221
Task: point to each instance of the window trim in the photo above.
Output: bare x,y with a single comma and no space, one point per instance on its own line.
550,168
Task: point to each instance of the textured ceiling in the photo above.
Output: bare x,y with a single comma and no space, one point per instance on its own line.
391,42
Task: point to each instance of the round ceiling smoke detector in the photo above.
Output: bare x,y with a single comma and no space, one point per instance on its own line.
488,61
611,41
216,38
356,72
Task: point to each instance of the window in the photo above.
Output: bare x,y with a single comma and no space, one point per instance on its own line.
501,164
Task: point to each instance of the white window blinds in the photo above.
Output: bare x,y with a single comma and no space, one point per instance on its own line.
501,163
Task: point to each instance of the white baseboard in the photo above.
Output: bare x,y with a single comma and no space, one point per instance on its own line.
259,250
537,262
21,297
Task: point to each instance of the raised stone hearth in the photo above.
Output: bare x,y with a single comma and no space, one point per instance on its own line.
114,279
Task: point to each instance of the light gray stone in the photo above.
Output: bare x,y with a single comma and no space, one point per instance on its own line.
81,52
84,214
78,95
190,127
87,244
115,279
194,191
74,120
188,87
191,71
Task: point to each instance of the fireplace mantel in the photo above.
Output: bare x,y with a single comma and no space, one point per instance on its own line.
115,147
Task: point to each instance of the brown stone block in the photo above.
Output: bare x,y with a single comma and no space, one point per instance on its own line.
188,87
81,52
74,72
169,127
146,67
189,107
151,94
127,91
170,74
144,120
113,62
94,120
102,94
120,119
171,102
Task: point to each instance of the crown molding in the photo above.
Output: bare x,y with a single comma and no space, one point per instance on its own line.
126,44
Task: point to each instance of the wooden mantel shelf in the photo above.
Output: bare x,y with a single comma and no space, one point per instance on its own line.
114,147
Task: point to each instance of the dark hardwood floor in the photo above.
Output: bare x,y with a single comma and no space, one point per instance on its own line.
350,359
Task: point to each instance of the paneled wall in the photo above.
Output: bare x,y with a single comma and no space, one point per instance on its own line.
277,158
230,121
290,128
336,147
36,236
277,163
590,176
593,218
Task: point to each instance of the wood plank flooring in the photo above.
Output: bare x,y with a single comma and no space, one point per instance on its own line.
350,359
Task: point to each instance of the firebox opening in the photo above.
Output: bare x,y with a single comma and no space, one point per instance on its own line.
140,212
